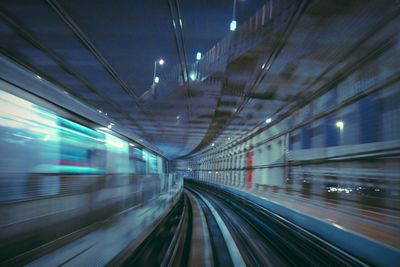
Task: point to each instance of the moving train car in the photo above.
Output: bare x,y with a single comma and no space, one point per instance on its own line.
40,148
60,172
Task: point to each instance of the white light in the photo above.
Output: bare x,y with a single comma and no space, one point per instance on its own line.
114,142
100,111
233,25
109,126
23,136
104,129
130,144
193,75
340,125
338,226
212,144
156,79
37,76
263,66
178,117
161,62
198,56
268,120
229,138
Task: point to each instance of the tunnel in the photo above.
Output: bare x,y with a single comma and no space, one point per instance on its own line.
200,133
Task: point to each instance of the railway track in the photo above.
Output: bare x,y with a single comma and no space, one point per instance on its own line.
210,227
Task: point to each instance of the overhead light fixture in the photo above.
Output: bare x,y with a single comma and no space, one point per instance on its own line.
233,25
212,144
269,120
130,144
156,79
198,56
109,126
37,76
340,125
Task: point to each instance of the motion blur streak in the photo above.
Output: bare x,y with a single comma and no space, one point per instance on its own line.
63,175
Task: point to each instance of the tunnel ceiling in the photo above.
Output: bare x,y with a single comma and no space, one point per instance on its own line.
103,53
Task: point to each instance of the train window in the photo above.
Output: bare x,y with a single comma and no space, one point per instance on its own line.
80,148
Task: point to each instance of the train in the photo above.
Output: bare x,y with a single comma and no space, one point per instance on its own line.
61,172
40,147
